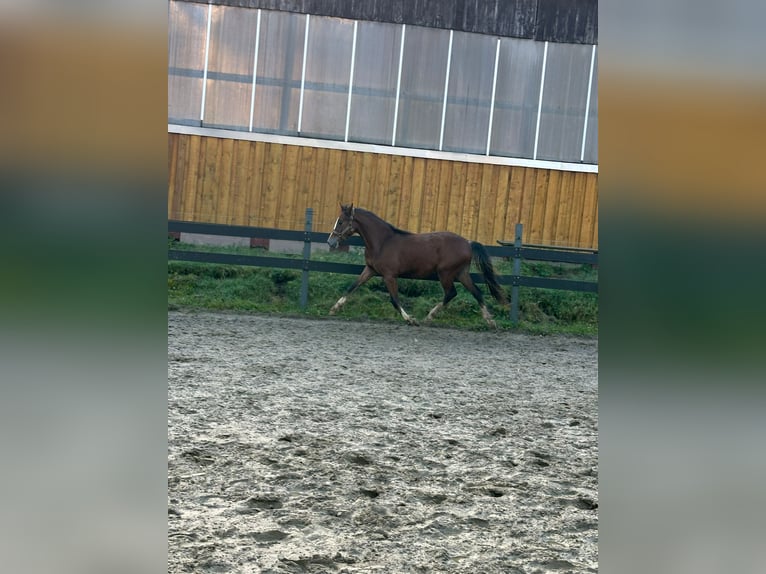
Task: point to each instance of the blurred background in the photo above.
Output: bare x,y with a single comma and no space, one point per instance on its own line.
83,187
683,110
82,297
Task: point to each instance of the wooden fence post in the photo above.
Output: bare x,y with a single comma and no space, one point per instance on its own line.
516,274
306,257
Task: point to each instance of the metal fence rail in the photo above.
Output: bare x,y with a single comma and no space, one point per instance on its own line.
515,251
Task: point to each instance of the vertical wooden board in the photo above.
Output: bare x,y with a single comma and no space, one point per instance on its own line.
552,211
233,184
367,181
471,192
175,143
331,184
196,175
566,198
216,191
293,200
273,181
333,192
237,200
255,184
443,198
210,159
529,187
544,182
578,203
409,197
393,190
265,151
369,174
224,188
430,194
319,187
181,152
349,187
589,221
208,164
401,178
380,186
248,182
528,184
594,243
414,217
502,205
358,163
191,179
172,160
410,214
352,175
542,179
457,198
304,181
398,189
516,200
250,179
487,204
327,191
549,202
291,215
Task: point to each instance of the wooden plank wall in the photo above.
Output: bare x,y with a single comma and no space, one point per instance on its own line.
574,21
238,182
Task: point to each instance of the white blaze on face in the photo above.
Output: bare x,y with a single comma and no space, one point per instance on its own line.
334,227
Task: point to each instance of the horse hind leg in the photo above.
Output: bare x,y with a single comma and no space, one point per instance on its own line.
393,291
465,279
449,294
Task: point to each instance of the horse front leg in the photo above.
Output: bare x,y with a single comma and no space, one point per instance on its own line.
365,276
393,290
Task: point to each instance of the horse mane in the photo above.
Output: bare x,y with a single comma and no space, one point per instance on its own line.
393,228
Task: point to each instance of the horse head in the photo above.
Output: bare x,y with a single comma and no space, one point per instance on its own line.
345,226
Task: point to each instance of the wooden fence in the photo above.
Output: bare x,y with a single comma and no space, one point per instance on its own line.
515,250
263,184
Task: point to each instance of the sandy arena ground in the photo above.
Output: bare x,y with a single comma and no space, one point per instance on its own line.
299,445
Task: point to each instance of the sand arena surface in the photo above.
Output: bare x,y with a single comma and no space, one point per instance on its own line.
298,445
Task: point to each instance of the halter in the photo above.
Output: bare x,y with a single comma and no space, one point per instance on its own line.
348,231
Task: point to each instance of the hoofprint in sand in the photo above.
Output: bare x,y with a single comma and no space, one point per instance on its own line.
299,445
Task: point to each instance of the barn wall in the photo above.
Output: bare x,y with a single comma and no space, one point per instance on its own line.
573,21
240,182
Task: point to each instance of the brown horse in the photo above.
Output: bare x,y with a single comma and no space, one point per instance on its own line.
391,253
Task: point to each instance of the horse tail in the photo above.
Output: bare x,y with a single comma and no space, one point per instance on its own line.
481,258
